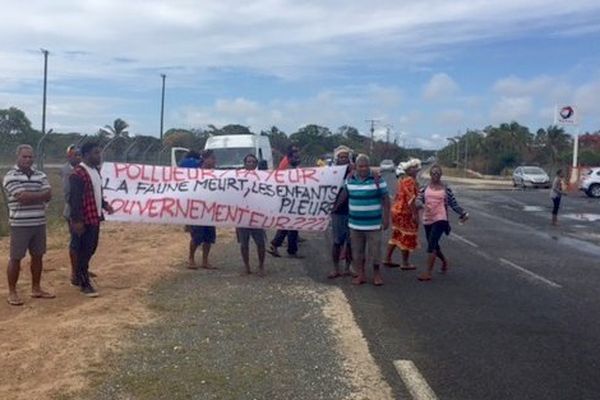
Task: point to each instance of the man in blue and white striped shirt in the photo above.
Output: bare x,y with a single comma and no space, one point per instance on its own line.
28,193
369,212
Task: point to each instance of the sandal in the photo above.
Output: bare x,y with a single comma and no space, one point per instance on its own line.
408,267
42,295
424,277
14,300
333,275
391,264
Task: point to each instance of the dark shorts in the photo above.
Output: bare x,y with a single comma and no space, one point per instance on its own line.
555,205
434,233
23,238
258,235
203,234
339,229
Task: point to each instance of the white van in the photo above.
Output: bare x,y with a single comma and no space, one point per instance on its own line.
230,150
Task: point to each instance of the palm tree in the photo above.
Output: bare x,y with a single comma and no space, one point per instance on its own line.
119,128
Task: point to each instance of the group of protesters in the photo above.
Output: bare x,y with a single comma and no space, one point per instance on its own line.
360,214
363,210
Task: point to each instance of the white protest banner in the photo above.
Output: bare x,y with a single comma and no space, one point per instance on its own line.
296,199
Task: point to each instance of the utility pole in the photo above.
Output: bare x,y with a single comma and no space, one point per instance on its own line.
162,106
388,127
372,121
466,154
45,53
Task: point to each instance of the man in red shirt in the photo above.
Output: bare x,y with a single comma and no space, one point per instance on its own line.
86,202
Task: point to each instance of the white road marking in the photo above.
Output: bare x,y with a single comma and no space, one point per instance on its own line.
462,239
529,273
414,381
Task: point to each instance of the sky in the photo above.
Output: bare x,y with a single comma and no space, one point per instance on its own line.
426,70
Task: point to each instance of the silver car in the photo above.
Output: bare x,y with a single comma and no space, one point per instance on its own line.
530,177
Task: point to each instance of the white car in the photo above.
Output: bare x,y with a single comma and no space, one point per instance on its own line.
387,165
531,176
590,183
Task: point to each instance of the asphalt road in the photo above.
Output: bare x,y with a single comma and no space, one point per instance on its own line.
516,316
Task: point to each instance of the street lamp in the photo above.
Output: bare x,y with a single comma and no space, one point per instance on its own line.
45,53
162,105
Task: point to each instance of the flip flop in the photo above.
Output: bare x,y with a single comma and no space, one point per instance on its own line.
43,295
334,275
391,264
424,278
208,267
409,267
14,302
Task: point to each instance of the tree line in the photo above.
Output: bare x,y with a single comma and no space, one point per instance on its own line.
499,149
314,141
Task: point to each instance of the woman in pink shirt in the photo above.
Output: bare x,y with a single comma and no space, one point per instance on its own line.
434,199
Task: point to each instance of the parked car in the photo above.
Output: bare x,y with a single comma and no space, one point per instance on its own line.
590,183
530,176
387,165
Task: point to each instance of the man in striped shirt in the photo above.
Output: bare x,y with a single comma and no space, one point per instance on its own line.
369,212
28,193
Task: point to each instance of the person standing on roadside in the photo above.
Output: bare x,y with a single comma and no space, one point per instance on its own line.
405,216
192,159
28,192
87,204
368,213
339,220
293,161
556,193
435,198
204,236
258,235
73,160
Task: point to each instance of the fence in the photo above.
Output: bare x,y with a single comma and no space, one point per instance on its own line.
50,153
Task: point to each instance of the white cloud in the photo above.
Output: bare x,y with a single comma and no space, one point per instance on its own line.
512,108
440,86
285,38
332,108
551,88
